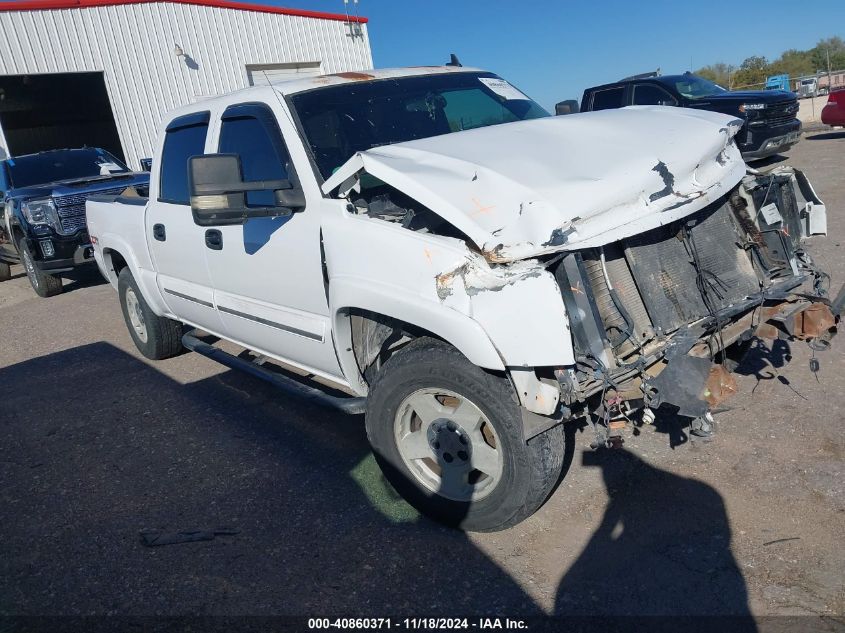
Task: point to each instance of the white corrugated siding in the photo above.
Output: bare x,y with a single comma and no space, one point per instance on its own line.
134,45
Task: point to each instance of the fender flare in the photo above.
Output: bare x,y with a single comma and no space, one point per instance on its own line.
145,277
455,328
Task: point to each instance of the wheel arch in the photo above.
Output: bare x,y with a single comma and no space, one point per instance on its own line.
414,316
114,256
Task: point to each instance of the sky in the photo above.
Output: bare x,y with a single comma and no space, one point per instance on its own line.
553,49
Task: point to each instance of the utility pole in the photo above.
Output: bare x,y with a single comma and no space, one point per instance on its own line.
829,84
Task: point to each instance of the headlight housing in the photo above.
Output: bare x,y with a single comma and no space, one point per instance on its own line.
746,107
41,211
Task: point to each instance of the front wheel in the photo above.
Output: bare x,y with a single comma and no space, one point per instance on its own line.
448,436
5,271
155,337
43,284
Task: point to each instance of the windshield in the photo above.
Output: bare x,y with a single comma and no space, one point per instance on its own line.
339,121
63,164
693,87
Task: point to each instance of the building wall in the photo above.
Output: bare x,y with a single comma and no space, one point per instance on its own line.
133,44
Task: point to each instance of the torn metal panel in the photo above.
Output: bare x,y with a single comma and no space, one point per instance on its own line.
535,394
811,214
682,384
513,303
579,181
492,314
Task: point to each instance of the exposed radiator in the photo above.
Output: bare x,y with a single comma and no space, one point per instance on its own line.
626,290
663,268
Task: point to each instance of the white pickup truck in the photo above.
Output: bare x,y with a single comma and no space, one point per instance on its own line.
473,272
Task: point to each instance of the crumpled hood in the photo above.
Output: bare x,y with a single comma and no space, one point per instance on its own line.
523,189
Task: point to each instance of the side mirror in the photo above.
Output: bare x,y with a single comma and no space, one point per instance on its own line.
570,106
218,192
146,164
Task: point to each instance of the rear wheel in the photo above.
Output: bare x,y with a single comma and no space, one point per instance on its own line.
155,337
44,285
448,436
5,271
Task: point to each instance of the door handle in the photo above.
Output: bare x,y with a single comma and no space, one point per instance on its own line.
159,232
214,239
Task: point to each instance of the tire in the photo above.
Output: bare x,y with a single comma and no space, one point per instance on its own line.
5,271
509,485
43,284
155,337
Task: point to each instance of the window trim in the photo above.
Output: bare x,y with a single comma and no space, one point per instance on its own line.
256,110
621,87
194,119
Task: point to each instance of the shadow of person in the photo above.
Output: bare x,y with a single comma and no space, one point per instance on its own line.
663,549
118,447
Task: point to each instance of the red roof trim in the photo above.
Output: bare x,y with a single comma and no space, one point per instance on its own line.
37,5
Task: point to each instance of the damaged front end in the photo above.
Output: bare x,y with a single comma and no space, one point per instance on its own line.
660,318
612,268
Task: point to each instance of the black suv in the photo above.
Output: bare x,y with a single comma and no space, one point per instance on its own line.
43,210
770,126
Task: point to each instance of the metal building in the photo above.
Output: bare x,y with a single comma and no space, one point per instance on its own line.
103,72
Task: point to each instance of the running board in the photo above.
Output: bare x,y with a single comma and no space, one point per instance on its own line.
351,405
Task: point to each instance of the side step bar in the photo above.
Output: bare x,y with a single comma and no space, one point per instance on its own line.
290,386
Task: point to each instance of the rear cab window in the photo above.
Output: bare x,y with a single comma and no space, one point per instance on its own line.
608,98
183,138
649,94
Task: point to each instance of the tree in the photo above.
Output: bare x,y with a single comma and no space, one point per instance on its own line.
719,73
753,70
794,63
834,46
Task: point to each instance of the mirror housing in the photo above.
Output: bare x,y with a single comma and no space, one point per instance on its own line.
570,106
218,192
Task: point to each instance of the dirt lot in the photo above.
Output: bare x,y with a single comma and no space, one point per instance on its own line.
98,443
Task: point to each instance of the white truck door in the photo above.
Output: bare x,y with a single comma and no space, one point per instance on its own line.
176,243
267,273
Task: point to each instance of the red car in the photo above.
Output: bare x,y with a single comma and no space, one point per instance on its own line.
833,112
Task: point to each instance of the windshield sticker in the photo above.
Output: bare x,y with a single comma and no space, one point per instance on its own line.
503,89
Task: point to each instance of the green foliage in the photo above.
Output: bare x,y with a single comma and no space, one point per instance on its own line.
719,73
752,70
792,62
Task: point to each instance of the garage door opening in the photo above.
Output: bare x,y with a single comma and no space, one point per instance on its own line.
56,111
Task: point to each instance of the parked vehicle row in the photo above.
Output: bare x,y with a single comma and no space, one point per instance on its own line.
770,123
43,225
476,272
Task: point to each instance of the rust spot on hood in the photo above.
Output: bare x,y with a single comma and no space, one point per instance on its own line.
356,76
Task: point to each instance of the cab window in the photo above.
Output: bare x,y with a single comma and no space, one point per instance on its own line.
608,98
184,137
250,130
647,94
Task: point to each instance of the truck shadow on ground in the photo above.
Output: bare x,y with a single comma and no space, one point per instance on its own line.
82,278
826,136
118,447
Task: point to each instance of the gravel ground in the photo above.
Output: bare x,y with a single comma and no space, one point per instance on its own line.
97,444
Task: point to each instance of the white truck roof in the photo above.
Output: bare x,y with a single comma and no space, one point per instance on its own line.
293,86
